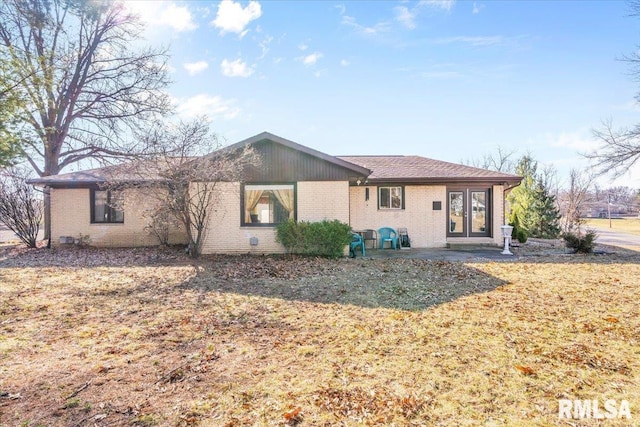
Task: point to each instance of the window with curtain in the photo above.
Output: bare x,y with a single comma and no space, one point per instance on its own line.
268,204
106,207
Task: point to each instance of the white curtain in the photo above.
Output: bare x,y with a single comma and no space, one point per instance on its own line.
251,199
285,197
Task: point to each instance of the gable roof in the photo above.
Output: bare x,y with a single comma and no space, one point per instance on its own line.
267,136
375,169
417,169
127,172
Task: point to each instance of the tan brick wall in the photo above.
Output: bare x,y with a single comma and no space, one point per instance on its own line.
71,216
498,213
426,227
315,201
323,200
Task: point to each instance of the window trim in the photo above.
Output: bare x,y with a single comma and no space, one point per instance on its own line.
402,204
267,225
110,211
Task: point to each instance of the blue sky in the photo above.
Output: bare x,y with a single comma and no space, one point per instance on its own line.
450,80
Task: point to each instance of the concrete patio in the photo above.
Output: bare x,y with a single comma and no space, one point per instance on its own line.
467,253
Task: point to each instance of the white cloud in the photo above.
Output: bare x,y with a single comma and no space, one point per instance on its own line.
350,21
579,141
237,68
405,17
211,106
380,27
162,14
438,4
303,46
194,68
345,63
264,46
477,7
233,18
311,59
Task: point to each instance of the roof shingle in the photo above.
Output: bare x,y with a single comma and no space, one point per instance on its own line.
417,168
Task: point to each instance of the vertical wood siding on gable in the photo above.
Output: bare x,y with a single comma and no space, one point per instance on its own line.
283,164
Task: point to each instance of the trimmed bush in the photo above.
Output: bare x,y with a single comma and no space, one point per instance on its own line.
518,233
324,238
521,235
580,243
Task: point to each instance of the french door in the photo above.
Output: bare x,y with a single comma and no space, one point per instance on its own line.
469,212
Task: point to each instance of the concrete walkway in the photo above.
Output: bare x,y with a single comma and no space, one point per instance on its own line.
471,253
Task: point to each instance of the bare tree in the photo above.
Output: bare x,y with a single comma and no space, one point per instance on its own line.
183,183
574,199
85,85
619,150
20,205
10,149
501,161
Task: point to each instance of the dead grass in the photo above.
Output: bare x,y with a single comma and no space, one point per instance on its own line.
626,225
145,337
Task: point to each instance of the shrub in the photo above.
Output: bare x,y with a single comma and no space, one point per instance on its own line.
324,238
21,208
580,243
518,231
521,235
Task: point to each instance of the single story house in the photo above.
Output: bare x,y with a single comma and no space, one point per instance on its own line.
439,203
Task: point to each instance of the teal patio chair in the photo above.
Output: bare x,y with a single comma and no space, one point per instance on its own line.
356,240
388,234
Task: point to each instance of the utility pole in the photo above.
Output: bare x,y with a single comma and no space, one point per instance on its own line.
609,209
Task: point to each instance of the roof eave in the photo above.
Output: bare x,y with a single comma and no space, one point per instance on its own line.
447,180
86,184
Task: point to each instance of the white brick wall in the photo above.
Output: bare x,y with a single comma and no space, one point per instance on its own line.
71,216
426,227
315,201
498,213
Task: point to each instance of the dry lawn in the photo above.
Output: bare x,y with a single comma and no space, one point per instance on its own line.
146,337
625,225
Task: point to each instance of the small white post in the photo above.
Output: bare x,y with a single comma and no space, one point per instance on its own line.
506,233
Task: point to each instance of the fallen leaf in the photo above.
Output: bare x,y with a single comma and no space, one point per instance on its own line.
293,414
525,370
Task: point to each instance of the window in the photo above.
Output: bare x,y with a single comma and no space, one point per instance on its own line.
268,204
390,197
106,207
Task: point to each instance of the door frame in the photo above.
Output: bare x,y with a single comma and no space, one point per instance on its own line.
467,207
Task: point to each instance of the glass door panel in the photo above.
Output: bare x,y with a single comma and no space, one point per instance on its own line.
456,213
478,211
